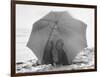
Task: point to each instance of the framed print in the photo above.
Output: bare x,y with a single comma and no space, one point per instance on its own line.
52,38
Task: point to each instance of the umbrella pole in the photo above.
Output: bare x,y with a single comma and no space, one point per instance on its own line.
50,34
49,38
52,31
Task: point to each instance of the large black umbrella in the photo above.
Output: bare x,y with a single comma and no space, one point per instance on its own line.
55,26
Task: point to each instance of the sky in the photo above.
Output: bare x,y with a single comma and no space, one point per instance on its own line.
26,15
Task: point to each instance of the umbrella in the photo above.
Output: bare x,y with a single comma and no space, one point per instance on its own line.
54,26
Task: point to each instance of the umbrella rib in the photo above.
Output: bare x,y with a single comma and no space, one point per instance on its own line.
52,28
50,33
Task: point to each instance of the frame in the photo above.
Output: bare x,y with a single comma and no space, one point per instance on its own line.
14,30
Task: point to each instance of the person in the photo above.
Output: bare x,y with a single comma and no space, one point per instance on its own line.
47,56
54,53
62,58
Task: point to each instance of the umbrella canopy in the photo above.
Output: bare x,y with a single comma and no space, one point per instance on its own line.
55,26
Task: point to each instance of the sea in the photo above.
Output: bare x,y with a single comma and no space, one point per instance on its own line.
23,53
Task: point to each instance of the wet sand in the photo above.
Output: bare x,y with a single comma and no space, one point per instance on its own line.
83,60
